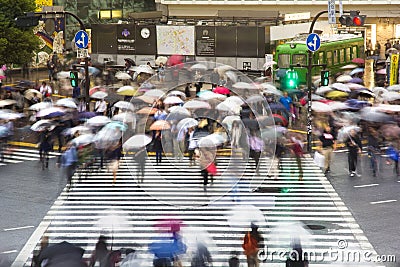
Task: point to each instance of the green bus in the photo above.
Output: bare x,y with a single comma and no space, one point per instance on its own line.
335,51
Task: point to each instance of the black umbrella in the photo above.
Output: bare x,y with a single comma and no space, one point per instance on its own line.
62,254
251,124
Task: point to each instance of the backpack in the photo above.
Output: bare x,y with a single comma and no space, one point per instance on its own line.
250,244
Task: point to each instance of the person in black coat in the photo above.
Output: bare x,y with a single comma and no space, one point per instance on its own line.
140,158
353,144
157,145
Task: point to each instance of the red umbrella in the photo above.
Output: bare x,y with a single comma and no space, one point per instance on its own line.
169,225
358,60
280,119
96,89
175,60
221,90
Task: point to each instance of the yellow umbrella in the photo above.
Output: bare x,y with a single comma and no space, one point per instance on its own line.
127,90
336,94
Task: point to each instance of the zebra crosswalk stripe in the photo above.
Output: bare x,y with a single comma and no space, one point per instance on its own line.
131,208
15,154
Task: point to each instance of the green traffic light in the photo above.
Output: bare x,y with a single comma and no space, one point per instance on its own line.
74,78
291,79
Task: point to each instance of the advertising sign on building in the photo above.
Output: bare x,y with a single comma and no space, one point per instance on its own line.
175,40
126,39
394,69
205,41
42,3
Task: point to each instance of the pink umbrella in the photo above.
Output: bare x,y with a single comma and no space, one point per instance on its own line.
175,60
96,89
381,71
358,60
222,90
169,225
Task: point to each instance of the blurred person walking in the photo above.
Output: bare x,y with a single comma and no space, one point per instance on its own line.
354,146
252,242
191,146
297,150
114,155
100,254
328,143
140,159
373,150
45,146
69,160
202,257
157,145
256,148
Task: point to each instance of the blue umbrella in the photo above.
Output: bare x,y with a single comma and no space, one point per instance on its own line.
167,247
356,80
3,131
54,115
356,70
117,125
86,115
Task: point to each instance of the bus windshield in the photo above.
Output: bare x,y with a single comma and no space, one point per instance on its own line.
284,61
299,59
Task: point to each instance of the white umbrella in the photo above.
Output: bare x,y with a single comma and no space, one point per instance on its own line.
120,75
379,90
195,104
199,66
229,107
320,107
344,132
341,87
124,105
323,89
40,106
228,120
390,96
83,140
48,111
344,78
99,95
283,235
42,125
216,138
171,100
235,99
30,92
82,129
157,93
223,68
10,115
7,102
127,90
63,75
207,95
187,123
355,85
231,75
142,69
394,87
127,117
270,89
390,108
336,105
66,102
349,67
98,121
137,141
177,93
179,109
107,137
255,99
161,59
269,64
242,216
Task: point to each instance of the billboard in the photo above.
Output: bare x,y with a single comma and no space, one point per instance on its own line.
205,41
175,40
126,39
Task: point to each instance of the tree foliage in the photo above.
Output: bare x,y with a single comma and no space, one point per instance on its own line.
16,45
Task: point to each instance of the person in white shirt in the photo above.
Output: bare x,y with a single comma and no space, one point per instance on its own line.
45,90
100,107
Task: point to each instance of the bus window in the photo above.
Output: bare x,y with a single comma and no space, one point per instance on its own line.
348,54
321,59
341,60
284,61
335,57
299,59
354,54
329,58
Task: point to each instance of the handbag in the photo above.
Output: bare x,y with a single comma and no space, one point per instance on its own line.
319,159
212,169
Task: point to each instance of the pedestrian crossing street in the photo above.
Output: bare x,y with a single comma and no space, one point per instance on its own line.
218,215
17,154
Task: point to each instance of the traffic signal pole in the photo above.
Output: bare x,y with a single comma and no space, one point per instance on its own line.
82,26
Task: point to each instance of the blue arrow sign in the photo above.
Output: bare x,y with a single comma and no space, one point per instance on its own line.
81,39
313,42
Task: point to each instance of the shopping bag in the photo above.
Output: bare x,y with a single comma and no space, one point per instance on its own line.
212,169
319,159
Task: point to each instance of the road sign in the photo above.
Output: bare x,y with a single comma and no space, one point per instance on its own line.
331,12
81,39
82,53
394,68
313,42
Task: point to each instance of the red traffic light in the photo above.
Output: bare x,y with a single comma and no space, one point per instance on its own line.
357,21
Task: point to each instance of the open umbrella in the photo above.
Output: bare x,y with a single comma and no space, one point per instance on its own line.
145,98
229,107
86,115
349,67
142,69
374,115
196,104
358,60
337,105
62,254
341,87
114,125
107,137
388,108
187,123
40,106
160,125
98,121
356,71
231,76
177,93
283,235
344,132
208,95
235,99
127,117
242,216
381,71
270,89
344,78
7,102
255,99
147,111
30,93
217,139
42,125
228,121
391,96
280,119
10,115
336,94
120,75
124,105
136,142
49,111
66,102
171,100
127,90
179,109
320,107
83,139
99,95
244,85
175,60
394,87
96,89
161,59
221,90
81,129
157,93
323,89
355,85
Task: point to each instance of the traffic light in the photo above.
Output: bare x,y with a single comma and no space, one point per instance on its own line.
74,78
27,21
324,77
352,20
291,79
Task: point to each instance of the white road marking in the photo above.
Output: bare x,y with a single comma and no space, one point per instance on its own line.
365,185
18,228
383,201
